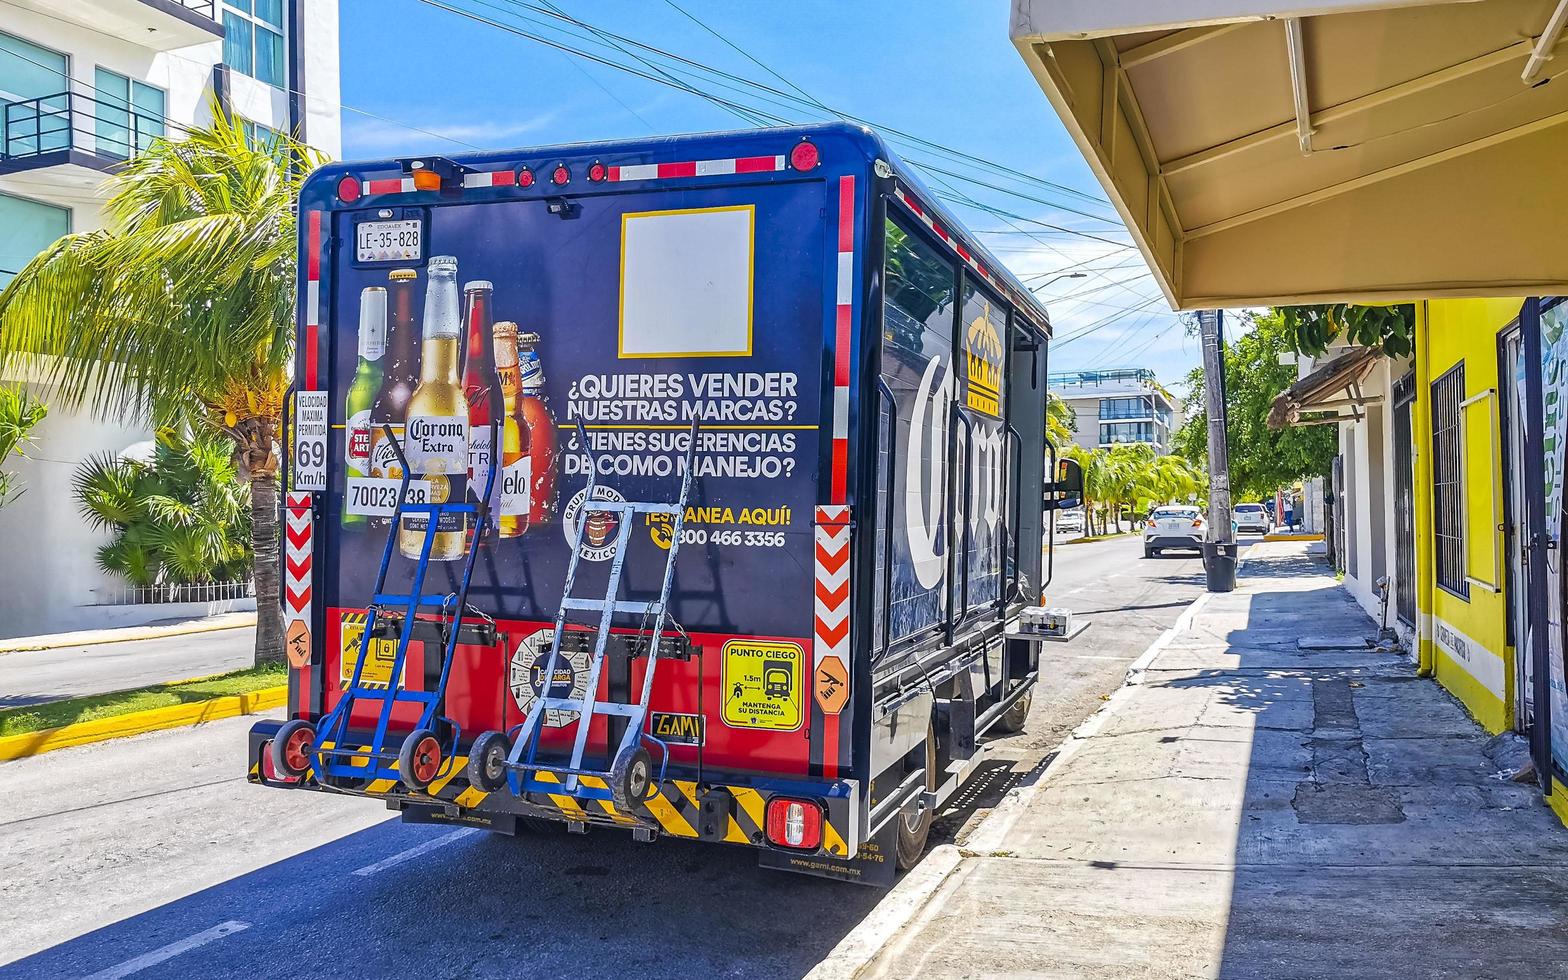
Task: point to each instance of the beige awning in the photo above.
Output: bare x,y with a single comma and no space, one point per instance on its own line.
1327,388
1371,151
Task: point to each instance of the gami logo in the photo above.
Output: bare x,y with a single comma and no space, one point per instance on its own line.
983,355
677,728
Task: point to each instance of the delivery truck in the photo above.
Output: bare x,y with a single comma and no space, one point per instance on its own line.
686,487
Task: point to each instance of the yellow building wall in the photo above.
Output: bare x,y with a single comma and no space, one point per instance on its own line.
1463,639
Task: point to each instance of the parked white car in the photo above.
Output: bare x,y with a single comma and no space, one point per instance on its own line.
1070,520
1253,518
1175,526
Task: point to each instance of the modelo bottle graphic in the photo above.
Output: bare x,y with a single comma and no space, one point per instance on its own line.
512,519
538,429
436,435
362,391
400,373
481,386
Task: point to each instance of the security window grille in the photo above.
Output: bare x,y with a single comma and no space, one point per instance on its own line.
1448,505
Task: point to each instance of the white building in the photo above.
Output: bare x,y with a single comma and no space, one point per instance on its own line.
1117,405
84,84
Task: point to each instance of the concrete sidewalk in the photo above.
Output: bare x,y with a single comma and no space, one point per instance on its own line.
1249,807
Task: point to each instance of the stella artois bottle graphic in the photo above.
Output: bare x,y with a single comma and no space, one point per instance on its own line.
362,392
436,434
481,387
512,519
400,373
538,427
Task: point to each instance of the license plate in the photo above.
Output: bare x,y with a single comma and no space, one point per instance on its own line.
389,241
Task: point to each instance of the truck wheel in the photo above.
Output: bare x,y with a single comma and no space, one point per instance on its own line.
914,824
487,761
630,776
1012,721
419,760
290,748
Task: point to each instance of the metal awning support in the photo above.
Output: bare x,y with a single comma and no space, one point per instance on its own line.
1296,51
1542,53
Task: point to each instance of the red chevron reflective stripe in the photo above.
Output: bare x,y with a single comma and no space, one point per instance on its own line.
299,538
297,569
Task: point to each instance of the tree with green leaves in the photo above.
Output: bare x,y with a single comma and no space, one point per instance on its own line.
182,309
1261,459
19,414
1310,329
179,518
1060,420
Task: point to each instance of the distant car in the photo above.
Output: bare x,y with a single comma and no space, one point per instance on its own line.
1177,526
1070,520
1252,517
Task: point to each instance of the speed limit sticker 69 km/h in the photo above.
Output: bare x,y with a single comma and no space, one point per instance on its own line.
310,441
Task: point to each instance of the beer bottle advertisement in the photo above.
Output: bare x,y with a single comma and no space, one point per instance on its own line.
536,321
516,465
400,374
362,390
436,435
481,386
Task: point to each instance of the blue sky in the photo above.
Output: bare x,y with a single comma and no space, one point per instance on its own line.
418,78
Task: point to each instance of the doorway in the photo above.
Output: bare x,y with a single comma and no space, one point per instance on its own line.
1404,504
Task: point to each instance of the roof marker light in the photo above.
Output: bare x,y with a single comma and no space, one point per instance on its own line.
560,175
598,171
804,156
348,188
525,177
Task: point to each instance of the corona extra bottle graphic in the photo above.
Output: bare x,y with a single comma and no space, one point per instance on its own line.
436,435
481,387
400,373
362,392
538,427
512,520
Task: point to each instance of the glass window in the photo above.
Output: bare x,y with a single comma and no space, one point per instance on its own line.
259,137
253,39
147,112
30,227
1448,488
917,367
128,115
28,73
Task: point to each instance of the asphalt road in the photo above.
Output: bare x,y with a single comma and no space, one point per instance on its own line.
35,676
151,856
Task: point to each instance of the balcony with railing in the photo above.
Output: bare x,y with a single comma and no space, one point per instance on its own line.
157,24
73,131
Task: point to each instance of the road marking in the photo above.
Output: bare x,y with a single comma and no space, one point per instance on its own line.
170,951
414,852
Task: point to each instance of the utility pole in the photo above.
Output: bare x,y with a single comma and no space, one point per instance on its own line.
1219,547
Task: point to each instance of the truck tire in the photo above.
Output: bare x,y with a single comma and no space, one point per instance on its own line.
914,825
1012,722
419,760
486,768
290,748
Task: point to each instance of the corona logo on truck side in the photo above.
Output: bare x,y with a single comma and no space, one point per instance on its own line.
926,486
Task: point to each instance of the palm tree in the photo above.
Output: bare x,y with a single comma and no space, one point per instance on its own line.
19,413
181,310
1060,420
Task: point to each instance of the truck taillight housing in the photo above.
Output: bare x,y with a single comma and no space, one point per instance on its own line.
804,156
794,823
560,176
597,172
525,178
348,189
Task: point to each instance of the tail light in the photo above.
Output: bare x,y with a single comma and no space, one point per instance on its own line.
794,823
560,176
1153,524
597,172
525,178
804,156
1197,522
348,189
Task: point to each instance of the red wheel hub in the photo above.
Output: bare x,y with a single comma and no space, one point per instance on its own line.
296,751
427,759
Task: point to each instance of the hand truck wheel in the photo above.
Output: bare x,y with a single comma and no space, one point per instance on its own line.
487,761
419,760
630,776
290,748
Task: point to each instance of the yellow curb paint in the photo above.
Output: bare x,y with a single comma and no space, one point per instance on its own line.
138,722
1558,801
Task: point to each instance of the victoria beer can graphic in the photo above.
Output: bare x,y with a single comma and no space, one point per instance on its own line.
359,401
481,386
399,374
512,520
538,429
435,438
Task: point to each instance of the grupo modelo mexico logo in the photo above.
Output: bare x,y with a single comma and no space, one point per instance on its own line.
600,527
